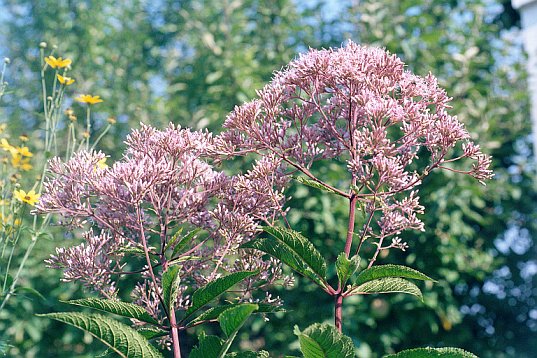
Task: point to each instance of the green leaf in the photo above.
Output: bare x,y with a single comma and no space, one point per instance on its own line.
152,332
386,285
248,354
213,289
121,338
184,241
231,321
174,239
447,352
346,268
324,341
170,285
30,291
213,312
208,347
314,184
132,250
294,250
382,271
301,246
233,318
124,309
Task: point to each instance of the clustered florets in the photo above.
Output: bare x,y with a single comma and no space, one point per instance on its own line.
359,105
356,105
164,181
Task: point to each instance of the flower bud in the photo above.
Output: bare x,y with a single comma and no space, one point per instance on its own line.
43,44
7,61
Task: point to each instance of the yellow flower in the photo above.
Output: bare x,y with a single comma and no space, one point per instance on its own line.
4,144
89,99
57,62
23,151
101,164
65,80
19,162
23,138
30,197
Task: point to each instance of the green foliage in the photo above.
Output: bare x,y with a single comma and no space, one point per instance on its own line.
120,308
213,312
191,63
345,267
151,332
386,285
213,289
178,246
170,286
231,320
447,352
381,271
124,340
261,354
293,249
208,347
314,184
324,341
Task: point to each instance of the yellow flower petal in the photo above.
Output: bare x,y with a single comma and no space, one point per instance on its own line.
30,197
51,61
65,80
57,62
89,99
24,151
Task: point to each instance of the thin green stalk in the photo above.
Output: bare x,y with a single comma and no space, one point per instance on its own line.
88,125
106,129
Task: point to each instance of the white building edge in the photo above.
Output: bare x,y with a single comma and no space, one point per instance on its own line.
528,16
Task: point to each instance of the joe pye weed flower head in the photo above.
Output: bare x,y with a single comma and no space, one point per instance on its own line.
355,106
358,105
164,184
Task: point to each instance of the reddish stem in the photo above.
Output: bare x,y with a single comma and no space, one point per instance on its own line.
175,334
338,304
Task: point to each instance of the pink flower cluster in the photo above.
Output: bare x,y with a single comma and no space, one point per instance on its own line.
164,182
360,106
355,105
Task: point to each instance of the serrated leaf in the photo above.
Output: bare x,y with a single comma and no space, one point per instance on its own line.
151,332
120,308
121,338
382,271
170,285
231,320
324,341
294,250
302,246
386,285
213,289
213,312
314,184
208,347
446,352
345,267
